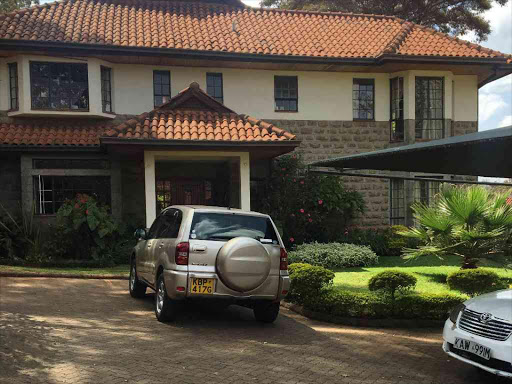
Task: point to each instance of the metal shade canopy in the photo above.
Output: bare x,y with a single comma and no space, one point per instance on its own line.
487,153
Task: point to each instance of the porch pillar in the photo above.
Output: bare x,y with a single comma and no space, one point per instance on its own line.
150,185
245,182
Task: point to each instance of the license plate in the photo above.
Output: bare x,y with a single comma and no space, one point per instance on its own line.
201,286
472,347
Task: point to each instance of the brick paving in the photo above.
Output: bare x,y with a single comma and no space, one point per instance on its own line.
92,331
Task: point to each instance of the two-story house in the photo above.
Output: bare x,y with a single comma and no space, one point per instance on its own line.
148,103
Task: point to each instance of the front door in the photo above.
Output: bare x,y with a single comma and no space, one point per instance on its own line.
183,191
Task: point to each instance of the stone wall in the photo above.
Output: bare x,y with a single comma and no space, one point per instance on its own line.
10,181
464,127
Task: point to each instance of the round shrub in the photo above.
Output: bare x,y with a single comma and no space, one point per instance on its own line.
308,282
475,281
334,255
392,281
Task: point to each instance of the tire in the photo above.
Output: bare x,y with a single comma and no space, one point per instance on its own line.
266,312
165,308
137,288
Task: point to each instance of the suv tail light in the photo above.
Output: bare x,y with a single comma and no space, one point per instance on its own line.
181,256
283,265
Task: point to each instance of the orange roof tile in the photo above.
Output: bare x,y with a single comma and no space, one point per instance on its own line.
212,27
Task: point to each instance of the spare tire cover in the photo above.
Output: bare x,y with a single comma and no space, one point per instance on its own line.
243,264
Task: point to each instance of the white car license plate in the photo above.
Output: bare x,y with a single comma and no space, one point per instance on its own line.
472,347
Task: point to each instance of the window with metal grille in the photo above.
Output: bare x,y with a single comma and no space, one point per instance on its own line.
363,99
397,202
397,109
161,87
214,86
13,86
425,191
429,108
106,89
286,93
59,86
50,192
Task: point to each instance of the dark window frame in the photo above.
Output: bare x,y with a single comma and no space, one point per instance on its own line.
72,69
396,112
13,86
215,91
364,82
400,199
279,99
106,94
171,224
427,188
419,119
161,94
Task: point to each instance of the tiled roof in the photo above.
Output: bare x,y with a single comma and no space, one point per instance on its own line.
175,120
209,27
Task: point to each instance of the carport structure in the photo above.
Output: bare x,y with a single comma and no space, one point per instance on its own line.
478,154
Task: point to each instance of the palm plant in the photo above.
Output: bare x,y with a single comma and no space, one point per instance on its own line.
471,222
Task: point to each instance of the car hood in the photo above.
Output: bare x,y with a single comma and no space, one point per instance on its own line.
498,303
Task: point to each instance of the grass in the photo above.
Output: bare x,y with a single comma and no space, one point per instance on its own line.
431,273
122,270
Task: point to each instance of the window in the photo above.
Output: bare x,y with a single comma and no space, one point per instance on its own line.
171,224
214,86
70,164
13,86
425,190
397,109
286,93
429,108
106,89
50,192
59,86
397,199
363,99
163,195
161,87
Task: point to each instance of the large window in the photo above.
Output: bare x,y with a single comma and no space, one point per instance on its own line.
106,89
50,192
397,109
214,86
161,87
397,200
13,86
59,86
363,99
429,108
286,94
425,190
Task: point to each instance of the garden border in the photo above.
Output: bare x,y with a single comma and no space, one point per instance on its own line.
62,275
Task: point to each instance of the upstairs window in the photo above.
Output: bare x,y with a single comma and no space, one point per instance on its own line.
106,89
59,86
363,99
286,94
429,108
13,86
397,109
161,87
214,86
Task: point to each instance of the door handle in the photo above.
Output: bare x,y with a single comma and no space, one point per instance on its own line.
199,248
161,245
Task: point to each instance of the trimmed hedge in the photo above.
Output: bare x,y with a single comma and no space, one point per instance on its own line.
392,281
334,255
308,282
475,281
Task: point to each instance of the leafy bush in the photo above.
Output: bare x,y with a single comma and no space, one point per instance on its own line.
308,282
334,255
392,281
475,281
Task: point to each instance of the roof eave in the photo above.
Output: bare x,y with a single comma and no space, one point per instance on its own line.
197,143
58,148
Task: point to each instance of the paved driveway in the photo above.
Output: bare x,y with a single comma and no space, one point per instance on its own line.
91,331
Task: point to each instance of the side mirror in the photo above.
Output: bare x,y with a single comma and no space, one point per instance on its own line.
140,234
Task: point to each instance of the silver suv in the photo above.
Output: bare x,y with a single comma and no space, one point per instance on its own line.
210,253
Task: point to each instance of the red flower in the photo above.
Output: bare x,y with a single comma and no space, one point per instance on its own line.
86,211
76,206
346,233
294,180
292,239
310,220
283,169
294,156
302,181
301,210
320,202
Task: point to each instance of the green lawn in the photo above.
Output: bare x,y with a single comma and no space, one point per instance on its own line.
121,270
431,273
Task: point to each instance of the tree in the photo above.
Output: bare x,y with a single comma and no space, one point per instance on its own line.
455,17
11,5
471,222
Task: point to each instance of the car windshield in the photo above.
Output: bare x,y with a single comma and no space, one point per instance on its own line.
226,226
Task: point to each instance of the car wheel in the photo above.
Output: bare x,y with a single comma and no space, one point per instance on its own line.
266,312
137,287
165,308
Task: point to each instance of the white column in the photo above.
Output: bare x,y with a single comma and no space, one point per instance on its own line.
150,185
245,181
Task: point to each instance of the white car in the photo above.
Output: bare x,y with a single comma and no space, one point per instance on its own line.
478,332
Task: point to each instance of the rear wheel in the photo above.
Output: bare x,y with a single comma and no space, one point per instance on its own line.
165,308
137,287
266,312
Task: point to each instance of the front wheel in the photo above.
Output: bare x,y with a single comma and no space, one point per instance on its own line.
165,308
266,312
137,287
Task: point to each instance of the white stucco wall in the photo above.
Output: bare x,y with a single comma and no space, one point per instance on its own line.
465,92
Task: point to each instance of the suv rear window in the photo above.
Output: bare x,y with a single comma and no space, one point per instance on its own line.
222,227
